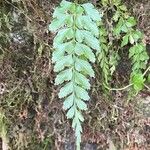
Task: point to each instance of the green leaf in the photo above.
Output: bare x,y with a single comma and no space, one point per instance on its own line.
91,41
91,26
124,28
59,13
62,35
79,22
69,21
56,24
112,69
140,47
138,53
80,116
65,61
123,7
66,90
143,64
130,22
61,49
65,5
103,40
81,104
135,66
79,10
81,93
74,122
82,80
103,31
116,2
71,112
132,51
117,29
104,2
65,75
131,39
143,56
79,36
68,102
72,8
81,49
138,82
82,65
125,40
116,16
137,35
70,34
57,54
78,127
69,47
90,11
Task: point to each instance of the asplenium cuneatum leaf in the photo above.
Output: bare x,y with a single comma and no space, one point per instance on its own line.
76,38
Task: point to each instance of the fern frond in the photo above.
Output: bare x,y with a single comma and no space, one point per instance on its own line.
76,38
137,51
103,57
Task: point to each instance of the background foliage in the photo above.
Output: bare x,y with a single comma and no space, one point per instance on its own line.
30,112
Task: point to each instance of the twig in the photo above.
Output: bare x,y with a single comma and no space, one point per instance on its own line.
118,89
146,71
123,88
147,87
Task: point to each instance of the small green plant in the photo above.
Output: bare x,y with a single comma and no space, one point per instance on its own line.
121,28
125,29
102,57
77,37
